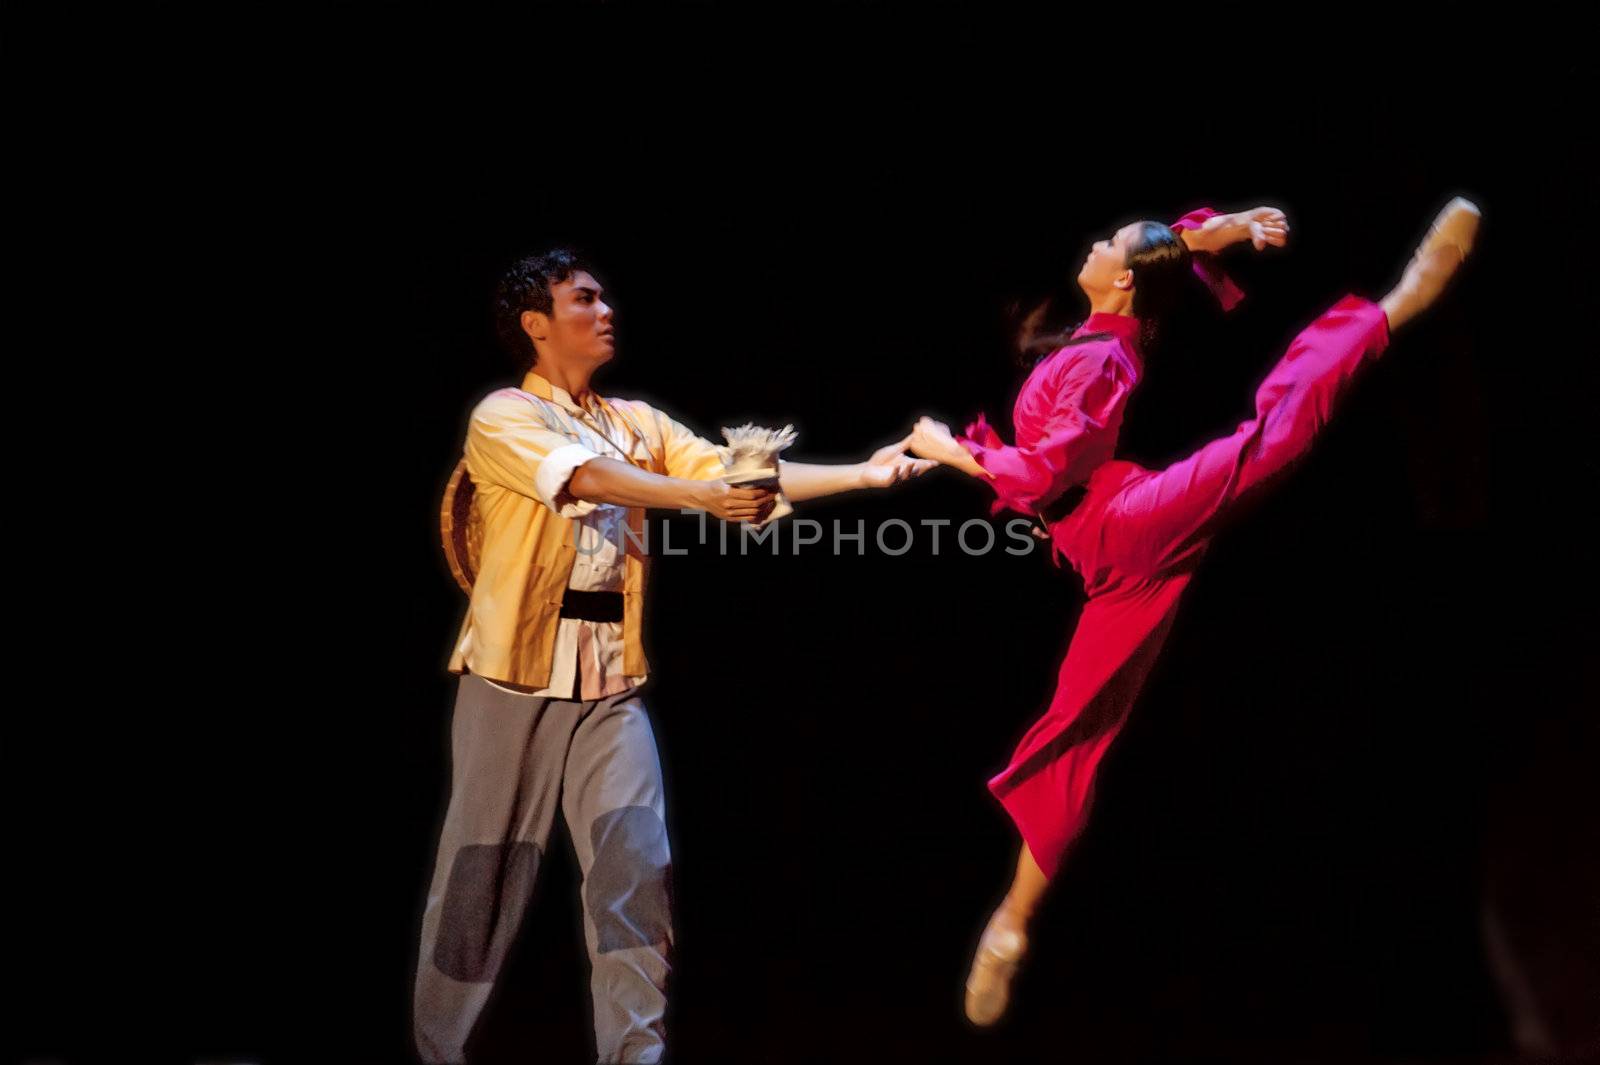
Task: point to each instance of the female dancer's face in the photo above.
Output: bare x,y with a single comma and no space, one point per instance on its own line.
1107,265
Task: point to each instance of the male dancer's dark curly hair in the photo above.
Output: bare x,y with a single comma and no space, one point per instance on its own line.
525,286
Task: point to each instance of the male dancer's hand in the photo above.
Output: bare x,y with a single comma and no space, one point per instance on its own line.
889,465
731,503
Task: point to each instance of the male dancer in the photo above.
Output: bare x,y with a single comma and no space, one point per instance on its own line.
548,715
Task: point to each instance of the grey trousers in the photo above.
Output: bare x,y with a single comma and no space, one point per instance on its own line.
515,760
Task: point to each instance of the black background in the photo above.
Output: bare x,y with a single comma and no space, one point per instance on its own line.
1371,732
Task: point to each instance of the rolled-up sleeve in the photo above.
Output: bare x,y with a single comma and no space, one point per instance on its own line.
554,474
510,445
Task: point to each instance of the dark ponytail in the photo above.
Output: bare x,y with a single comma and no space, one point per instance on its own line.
1039,333
1159,260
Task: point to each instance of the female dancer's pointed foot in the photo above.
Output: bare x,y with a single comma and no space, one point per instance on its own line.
994,966
1440,255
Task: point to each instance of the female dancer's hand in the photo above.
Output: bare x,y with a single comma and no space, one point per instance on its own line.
932,440
1262,226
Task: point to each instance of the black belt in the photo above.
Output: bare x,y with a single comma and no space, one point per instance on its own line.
1063,504
592,606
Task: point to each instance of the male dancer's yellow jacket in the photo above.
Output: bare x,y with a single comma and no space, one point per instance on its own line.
522,446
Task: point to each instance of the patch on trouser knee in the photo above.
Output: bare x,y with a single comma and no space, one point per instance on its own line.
629,886
490,885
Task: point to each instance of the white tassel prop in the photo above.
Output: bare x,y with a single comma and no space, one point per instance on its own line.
751,459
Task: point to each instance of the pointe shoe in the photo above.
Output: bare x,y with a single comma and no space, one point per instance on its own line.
993,968
1437,258
1455,227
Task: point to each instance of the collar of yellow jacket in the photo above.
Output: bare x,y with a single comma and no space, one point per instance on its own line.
540,386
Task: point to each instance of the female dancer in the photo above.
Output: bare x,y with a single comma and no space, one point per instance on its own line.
1135,535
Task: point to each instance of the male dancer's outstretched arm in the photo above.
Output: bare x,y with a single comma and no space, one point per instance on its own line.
603,480
888,465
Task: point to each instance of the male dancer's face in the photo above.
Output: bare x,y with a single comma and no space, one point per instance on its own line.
578,328
1107,265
